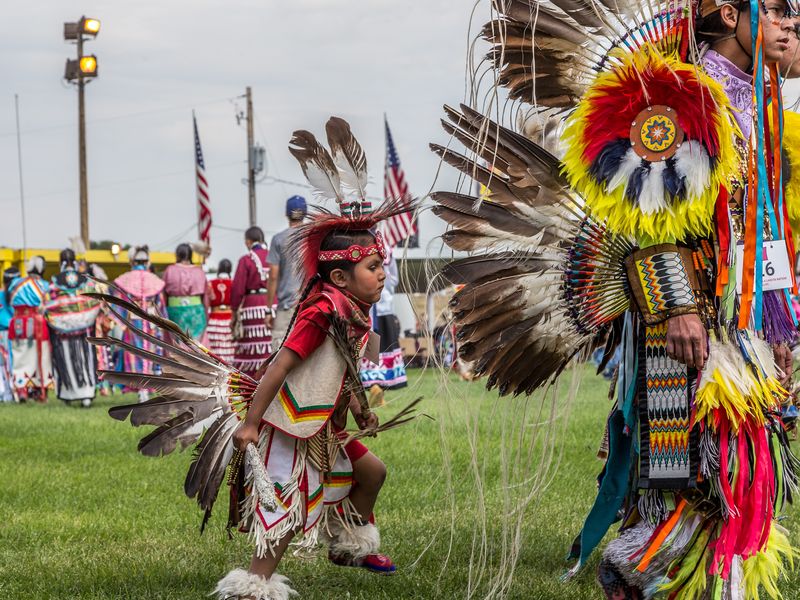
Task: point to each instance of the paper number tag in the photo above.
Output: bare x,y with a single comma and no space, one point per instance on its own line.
776,270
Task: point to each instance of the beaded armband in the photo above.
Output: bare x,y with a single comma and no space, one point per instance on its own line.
662,281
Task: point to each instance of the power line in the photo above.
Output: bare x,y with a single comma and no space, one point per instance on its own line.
127,181
270,157
117,117
171,240
227,228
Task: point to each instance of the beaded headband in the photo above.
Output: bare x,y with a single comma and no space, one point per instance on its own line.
355,253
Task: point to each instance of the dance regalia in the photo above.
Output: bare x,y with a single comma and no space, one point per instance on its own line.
249,301
307,455
147,291
71,318
220,335
390,370
6,379
638,223
186,287
30,340
302,425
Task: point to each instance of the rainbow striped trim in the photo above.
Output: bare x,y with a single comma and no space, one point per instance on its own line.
299,414
280,496
339,479
668,442
662,281
314,500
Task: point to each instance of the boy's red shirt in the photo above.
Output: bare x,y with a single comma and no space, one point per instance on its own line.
312,323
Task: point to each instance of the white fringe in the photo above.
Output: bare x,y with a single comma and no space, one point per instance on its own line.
256,331
629,542
248,365
266,541
254,312
253,347
240,584
329,523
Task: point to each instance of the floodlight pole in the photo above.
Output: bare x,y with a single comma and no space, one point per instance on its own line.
84,188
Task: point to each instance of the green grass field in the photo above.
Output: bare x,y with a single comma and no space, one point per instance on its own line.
83,516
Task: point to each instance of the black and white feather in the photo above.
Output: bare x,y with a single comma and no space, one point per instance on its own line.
198,403
544,280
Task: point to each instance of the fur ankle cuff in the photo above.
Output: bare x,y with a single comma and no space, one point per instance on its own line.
354,541
242,584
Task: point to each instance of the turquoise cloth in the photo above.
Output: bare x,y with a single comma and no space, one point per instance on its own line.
612,492
6,313
192,319
28,291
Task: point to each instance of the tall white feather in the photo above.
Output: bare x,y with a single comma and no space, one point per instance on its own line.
348,156
317,165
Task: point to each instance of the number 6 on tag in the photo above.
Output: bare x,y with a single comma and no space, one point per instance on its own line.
775,268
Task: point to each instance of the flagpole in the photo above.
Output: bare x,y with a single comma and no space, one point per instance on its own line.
21,188
196,199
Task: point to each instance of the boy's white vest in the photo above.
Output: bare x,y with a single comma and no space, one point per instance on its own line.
306,399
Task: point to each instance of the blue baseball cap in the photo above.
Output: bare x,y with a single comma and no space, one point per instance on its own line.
296,207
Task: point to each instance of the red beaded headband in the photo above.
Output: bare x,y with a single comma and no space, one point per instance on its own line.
355,253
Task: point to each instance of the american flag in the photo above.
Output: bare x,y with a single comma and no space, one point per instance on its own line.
203,199
397,228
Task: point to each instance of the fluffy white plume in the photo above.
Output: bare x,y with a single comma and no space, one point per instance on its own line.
691,163
651,198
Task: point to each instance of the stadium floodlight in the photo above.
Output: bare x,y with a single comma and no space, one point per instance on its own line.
88,66
90,26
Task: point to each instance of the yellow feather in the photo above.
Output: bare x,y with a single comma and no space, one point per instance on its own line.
791,148
763,569
742,391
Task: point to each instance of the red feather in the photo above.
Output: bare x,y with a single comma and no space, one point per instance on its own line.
615,106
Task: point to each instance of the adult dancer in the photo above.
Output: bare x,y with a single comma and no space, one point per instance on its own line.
249,302
647,203
146,290
71,318
6,314
30,338
186,290
283,287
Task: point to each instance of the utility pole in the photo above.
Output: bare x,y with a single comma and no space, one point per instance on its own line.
251,171
84,187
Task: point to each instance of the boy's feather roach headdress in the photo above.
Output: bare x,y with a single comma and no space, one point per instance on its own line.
339,175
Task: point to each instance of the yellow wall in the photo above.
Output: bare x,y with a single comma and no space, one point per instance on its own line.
112,265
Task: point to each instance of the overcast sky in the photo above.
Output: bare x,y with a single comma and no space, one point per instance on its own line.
304,59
